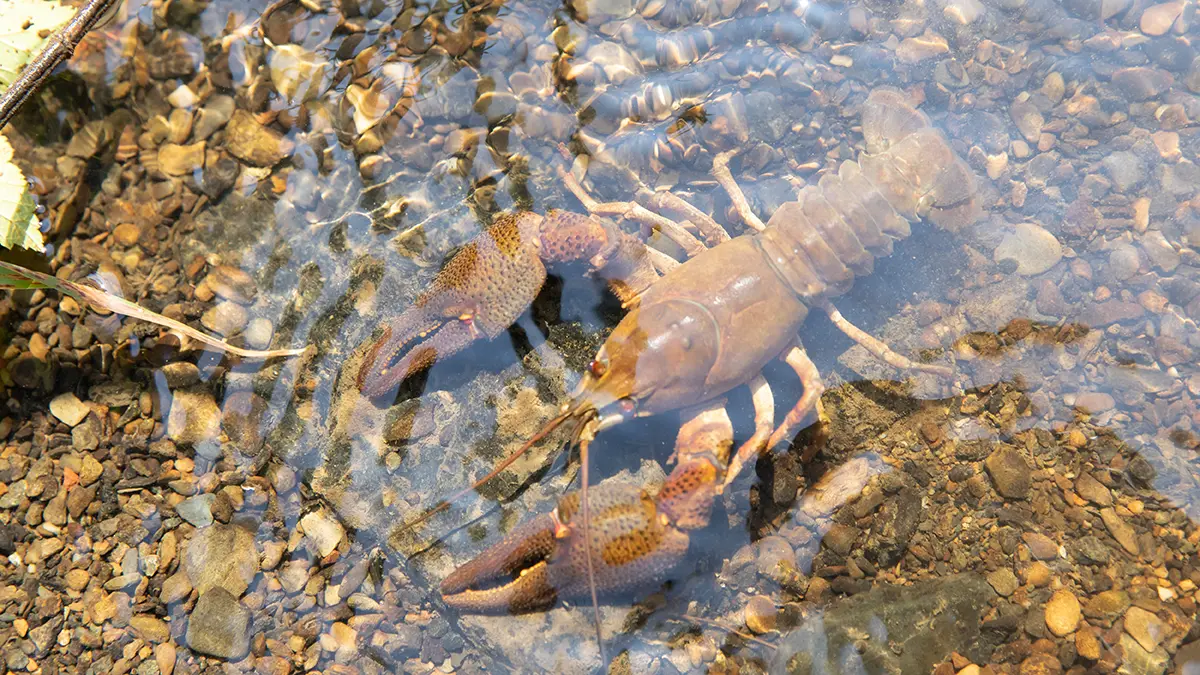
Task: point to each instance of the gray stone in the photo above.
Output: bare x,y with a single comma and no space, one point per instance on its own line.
219,626
1125,169
197,510
221,556
891,629
1032,248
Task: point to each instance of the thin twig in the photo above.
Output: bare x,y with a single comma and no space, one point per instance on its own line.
59,48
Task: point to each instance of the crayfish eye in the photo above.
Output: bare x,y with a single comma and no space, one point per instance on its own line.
627,406
598,368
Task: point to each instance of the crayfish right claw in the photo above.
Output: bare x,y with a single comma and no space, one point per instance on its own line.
633,543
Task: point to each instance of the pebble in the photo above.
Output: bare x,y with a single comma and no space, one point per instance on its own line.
1028,119
90,470
1040,546
150,628
1120,530
258,333
1145,627
231,283
965,12
1086,644
1125,169
68,409
917,49
1106,606
219,626
1141,84
127,234
1094,402
1094,491
1123,261
1062,613
77,579
175,588
214,115
1054,87
1003,581
181,374
225,318
1010,473
194,417
1157,20
760,614
181,160
197,510
254,143
1037,574
164,658
324,530
1160,252
1031,247
221,556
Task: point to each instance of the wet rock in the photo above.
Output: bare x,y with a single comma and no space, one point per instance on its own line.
760,614
1032,248
1111,311
210,118
893,527
90,470
197,510
965,12
1125,169
1040,546
1010,473
1120,530
1094,491
180,160
258,333
1123,261
1037,574
1160,252
899,629
1157,19
231,284
241,419
175,588
150,628
225,319
221,556
254,143
68,409
1003,581
32,372
181,374
297,73
1145,627
1062,613
917,49
1140,84
324,530
219,626
194,418
1028,119
1107,606
1094,402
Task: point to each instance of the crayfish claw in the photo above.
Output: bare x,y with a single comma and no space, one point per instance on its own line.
633,544
480,292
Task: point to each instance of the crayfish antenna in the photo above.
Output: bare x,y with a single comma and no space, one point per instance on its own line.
585,436
445,503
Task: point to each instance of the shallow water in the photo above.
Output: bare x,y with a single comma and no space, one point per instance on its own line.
298,178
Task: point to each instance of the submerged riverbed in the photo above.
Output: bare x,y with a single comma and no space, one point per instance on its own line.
295,173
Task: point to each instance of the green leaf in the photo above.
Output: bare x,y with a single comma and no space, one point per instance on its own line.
18,220
23,23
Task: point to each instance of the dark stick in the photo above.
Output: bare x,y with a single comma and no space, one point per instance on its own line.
60,48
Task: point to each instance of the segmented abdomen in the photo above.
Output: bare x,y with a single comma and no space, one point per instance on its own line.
836,228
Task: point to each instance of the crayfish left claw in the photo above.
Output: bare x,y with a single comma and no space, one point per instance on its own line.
545,559
479,293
